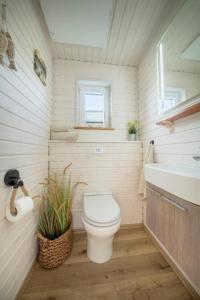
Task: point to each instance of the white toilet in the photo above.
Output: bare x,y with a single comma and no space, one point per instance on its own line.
101,219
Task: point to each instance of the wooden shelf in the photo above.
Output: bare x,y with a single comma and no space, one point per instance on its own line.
93,128
181,114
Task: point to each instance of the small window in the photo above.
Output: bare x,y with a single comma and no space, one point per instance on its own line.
93,109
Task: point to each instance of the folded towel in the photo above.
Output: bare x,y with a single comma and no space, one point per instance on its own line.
148,159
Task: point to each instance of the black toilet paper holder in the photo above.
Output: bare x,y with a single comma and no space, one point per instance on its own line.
12,178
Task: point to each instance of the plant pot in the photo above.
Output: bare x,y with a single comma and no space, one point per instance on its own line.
53,253
132,137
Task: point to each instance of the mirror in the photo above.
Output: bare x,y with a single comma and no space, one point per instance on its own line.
178,55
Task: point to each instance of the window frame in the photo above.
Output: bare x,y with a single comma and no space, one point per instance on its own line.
93,86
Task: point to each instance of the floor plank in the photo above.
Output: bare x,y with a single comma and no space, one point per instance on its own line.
137,271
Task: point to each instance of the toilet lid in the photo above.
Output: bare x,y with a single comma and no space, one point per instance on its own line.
101,208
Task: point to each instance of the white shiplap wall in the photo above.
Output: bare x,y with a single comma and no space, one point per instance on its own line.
180,144
174,147
25,114
115,170
124,96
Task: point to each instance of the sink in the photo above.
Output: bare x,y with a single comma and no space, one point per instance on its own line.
180,180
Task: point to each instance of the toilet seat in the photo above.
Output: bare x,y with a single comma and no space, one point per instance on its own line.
100,209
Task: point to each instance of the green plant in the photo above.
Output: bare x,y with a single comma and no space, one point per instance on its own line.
55,210
132,127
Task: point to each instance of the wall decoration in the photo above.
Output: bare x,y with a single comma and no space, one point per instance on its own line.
40,67
6,42
11,52
3,46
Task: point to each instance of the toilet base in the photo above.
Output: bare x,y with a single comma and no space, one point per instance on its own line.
99,249
100,241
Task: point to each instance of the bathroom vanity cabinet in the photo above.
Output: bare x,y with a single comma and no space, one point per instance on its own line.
176,225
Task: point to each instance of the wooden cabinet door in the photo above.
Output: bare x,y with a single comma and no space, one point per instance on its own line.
166,232
176,224
170,226
152,212
164,219
189,259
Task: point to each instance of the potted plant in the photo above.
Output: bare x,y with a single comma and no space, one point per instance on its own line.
132,130
55,220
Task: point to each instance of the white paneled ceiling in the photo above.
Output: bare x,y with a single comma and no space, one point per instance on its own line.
134,24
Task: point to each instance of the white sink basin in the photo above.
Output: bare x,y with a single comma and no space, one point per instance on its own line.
182,181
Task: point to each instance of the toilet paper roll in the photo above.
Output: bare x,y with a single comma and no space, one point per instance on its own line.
23,206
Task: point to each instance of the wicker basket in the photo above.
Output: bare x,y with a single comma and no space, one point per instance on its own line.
53,253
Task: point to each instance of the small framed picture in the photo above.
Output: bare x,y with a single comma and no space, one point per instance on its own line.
40,67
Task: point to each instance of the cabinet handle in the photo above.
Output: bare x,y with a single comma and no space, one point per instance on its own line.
168,200
174,203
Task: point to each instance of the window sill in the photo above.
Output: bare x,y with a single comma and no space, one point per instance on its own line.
93,128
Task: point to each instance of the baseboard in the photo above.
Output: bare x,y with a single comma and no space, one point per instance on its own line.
123,226
137,225
191,288
26,280
78,225
78,230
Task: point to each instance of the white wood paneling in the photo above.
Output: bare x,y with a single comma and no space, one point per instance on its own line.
124,96
180,144
25,115
115,170
133,25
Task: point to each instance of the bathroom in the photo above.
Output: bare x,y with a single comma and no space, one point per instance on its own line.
99,149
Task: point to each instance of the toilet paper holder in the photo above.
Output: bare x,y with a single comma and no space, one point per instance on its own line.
12,178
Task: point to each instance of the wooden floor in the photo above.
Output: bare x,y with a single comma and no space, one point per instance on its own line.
137,271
